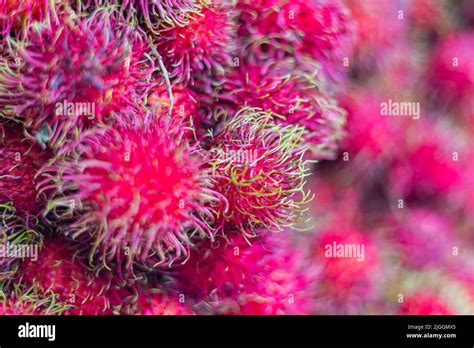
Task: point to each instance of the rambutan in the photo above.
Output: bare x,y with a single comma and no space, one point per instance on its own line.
137,190
228,275
17,229
423,303
259,168
349,267
163,14
425,237
147,300
185,107
293,97
62,270
427,165
452,70
320,29
203,45
20,161
369,135
18,15
19,301
71,74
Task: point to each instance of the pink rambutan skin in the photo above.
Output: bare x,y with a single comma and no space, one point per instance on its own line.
61,270
424,303
233,276
20,162
348,282
258,167
292,97
17,15
452,68
95,61
204,44
147,300
319,29
425,238
138,190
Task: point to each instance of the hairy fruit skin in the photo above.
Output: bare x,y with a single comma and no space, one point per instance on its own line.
203,45
16,228
346,282
151,301
259,168
319,29
292,97
28,301
62,271
95,63
162,14
230,276
20,162
423,303
137,189
16,16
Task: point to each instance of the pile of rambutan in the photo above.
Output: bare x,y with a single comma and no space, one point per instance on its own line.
151,150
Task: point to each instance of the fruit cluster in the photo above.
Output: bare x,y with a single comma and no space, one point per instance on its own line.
152,150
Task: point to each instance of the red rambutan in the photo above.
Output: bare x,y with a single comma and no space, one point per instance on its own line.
426,238
73,73
259,168
203,45
17,229
319,28
423,303
20,161
137,190
61,270
349,266
163,14
452,68
18,14
18,301
154,301
293,98
231,276
185,107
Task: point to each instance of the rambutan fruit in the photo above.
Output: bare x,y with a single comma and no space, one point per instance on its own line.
423,303
147,300
349,269
452,70
137,190
370,136
425,237
293,97
20,161
18,15
163,14
427,163
228,275
203,45
320,29
17,230
258,167
185,107
73,73
19,301
62,270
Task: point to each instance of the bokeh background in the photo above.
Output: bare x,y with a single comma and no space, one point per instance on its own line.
402,186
